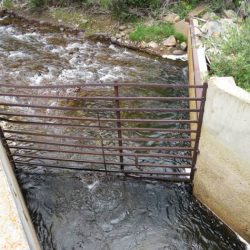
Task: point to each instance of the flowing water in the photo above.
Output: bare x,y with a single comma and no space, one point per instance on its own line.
76,210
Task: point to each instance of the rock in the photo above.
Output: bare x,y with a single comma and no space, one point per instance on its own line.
211,27
84,21
123,34
118,36
169,42
183,45
119,40
113,39
62,29
210,16
216,35
153,45
80,34
230,14
130,26
178,52
143,45
172,18
122,27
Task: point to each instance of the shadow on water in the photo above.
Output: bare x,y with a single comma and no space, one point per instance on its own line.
76,210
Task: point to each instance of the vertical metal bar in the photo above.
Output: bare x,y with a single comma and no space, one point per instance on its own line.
101,139
118,124
6,147
198,134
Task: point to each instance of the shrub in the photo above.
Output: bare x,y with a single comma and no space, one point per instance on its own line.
7,4
234,58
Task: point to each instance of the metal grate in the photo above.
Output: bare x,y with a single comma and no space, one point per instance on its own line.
134,129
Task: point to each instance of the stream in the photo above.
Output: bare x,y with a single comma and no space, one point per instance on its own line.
77,210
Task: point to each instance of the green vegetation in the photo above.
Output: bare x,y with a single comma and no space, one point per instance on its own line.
7,4
234,58
155,32
69,17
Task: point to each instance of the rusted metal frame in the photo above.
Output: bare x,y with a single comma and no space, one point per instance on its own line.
103,170
6,147
99,162
145,85
87,118
91,109
104,139
91,127
99,154
102,145
196,146
100,98
118,128
23,132
106,147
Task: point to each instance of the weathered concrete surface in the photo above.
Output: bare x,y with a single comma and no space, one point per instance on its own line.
15,221
222,180
11,236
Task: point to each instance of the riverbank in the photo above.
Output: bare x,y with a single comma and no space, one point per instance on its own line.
103,27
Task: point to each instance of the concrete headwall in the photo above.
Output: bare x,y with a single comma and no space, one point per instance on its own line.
222,179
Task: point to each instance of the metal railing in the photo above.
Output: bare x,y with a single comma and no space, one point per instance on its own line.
140,129
128,136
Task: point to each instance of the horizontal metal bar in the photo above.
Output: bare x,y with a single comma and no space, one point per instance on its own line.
87,109
104,98
98,139
103,170
124,120
99,162
22,132
135,148
95,127
145,85
96,153
88,118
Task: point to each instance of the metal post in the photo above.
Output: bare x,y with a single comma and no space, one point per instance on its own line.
101,139
198,134
6,147
118,124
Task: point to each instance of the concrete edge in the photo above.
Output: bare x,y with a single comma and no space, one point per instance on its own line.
228,85
18,198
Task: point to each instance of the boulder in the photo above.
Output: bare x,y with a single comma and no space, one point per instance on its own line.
230,14
143,45
210,16
183,45
172,18
169,42
212,27
153,45
113,39
122,27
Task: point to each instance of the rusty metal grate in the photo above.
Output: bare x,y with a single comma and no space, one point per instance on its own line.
134,129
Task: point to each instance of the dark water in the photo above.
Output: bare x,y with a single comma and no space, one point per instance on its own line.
73,210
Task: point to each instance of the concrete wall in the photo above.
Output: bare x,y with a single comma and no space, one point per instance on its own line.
17,230
222,179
